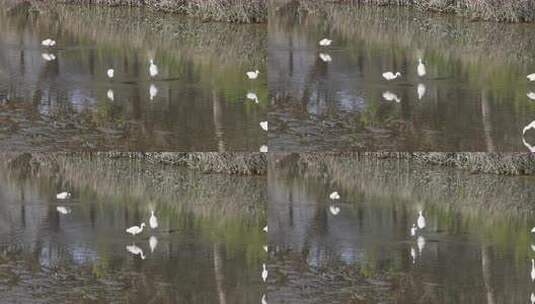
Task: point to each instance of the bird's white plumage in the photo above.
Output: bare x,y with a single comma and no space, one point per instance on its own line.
532,270
421,220
391,75
389,96
421,68
264,301
264,272
153,69
264,125
48,42
325,57
265,228
63,195
264,149
63,209
266,249
531,95
153,221
135,229
111,95
153,92
253,74
334,195
252,96
421,91
110,73
334,210
531,77
325,42
48,57
135,250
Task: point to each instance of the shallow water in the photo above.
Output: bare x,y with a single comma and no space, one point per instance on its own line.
198,102
473,98
204,253
475,247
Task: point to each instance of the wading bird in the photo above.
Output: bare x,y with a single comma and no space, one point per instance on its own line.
531,95
264,125
111,73
389,96
421,68
253,75
413,230
48,42
266,249
63,210
334,195
266,228
252,96
63,195
532,270
135,229
421,220
531,77
264,149
133,249
325,42
153,221
153,69
264,301
391,75
264,272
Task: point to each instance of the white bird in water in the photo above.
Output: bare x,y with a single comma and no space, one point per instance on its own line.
111,73
153,242
325,57
265,228
421,68
135,229
334,195
153,221
531,95
532,247
253,97
153,69
413,230
264,301
532,270
325,42
48,57
389,96
264,272
391,76
264,149
153,91
133,249
420,242
111,95
264,125
531,77
266,249
63,195
334,210
63,210
533,229
48,42
253,75
532,298
413,255
421,220
421,91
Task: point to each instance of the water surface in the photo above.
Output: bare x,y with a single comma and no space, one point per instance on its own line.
198,102
474,249
209,243
473,98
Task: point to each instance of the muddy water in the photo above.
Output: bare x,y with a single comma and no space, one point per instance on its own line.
208,247
61,99
475,247
473,97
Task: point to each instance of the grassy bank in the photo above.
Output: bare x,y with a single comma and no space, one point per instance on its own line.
235,11
491,10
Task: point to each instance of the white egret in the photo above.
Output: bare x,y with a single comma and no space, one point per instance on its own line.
413,255
153,220
391,75
532,247
421,91
264,149
264,301
334,210
153,91
48,42
265,228
252,96
532,298
264,125
264,272
153,242
111,73
389,96
334,195
48,57
531,77
531,95
533,229
135,229
63,195
421,220
532,270
325,57
421,68
420,242
325,42
266,249
413,230
133,249
253,75
63,210
111,95
153,69
530,147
